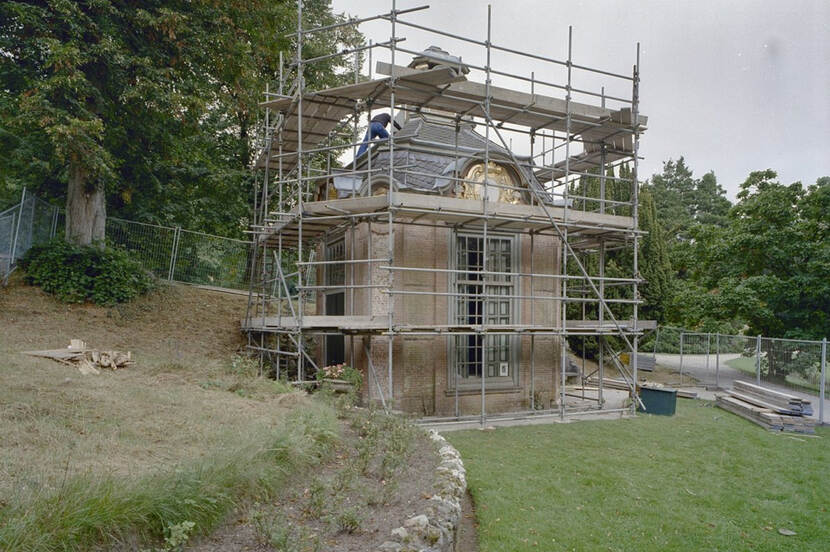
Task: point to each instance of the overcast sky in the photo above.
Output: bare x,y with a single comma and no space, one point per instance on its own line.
733,86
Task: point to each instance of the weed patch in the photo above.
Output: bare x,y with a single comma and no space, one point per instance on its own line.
378,473
90,510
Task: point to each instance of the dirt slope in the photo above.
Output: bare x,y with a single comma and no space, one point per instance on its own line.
183,396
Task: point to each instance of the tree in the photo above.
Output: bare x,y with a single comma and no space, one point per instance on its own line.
710,203
84,75
673,192
147,109
769,268
654,261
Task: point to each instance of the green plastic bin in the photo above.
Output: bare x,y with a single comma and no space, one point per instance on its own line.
658,400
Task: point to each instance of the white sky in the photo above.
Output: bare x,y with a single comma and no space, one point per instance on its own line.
733,86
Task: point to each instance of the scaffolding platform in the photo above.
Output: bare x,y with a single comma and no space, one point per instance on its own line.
364,325
319,217
460,258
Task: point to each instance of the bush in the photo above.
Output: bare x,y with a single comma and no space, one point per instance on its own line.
76,274
342,372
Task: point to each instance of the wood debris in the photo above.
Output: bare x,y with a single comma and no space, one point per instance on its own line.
612,383
89,361
770,409
783,403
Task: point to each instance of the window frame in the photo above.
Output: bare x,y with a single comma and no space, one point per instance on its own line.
473,383
328,246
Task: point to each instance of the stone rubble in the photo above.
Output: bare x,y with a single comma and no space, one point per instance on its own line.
435,530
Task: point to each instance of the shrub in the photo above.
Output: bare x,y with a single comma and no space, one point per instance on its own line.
342,372
76,274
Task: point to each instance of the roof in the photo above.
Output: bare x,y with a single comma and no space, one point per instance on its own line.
426,154
445,89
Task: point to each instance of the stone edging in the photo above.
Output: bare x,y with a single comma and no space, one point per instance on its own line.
436,529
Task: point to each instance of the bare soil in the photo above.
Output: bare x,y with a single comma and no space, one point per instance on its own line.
660,374
173,322
349,504
468,527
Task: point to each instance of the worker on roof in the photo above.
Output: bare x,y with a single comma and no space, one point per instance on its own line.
377,129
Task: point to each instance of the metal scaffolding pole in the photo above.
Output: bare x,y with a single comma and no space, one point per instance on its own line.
390,190
485,246
299,227
635,94
564,267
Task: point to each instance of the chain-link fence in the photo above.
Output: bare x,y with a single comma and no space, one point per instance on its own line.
170,253
211,260
716,360
178,255
27,223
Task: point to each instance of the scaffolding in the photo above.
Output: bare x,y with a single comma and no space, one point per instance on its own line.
330,270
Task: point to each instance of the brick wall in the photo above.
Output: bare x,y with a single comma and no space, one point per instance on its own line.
421,370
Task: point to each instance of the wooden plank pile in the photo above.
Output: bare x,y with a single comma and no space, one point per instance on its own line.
609,383
612,383
87,360
770,409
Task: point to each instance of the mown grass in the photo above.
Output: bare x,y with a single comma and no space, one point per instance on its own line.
702,480
92,510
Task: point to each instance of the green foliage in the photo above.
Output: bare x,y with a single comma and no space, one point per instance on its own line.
654,260
349,520
76,274
770,266
761,266
177,536
155,101
683,201
343,372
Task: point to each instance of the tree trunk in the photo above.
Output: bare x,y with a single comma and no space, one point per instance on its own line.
245,151
86,208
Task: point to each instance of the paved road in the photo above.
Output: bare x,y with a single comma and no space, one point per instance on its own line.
707,372
695,366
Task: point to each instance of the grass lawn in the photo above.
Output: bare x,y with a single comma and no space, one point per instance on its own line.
704,479
747,365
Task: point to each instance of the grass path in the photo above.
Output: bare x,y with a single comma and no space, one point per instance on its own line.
701,480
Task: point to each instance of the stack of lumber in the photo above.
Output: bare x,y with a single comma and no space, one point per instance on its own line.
611,383
771,409
87,360
783,403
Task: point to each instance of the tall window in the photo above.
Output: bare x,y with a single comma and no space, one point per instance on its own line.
484,300
335,299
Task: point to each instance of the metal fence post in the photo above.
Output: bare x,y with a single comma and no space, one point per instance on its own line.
758,360
656,341
717,360
708,350
681,358
822,381
54,229
174,253
17,229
